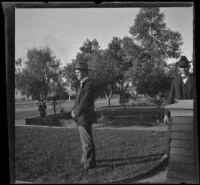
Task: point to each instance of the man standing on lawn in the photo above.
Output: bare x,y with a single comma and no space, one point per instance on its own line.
84,115
182,87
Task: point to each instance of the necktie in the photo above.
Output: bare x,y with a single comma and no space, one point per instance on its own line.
79,90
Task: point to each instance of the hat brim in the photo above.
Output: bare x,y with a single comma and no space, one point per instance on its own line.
183,66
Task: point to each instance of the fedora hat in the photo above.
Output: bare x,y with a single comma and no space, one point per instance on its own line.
183,62
82,66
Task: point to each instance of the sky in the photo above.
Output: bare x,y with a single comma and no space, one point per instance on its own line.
64,30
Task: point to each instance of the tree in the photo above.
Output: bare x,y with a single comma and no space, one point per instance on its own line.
18,65
157,43
100,63
70,76
150,32
89,46
57,93
102,68
103,73
41,74
121,64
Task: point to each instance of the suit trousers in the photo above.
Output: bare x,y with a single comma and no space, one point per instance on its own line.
88,146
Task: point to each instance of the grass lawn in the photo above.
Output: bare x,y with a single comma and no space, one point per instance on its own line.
47,155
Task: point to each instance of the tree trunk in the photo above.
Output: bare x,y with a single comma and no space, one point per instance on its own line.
108,97
109,102
121,90
120,99
124,105
54,106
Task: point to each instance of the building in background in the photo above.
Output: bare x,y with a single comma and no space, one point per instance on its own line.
20,97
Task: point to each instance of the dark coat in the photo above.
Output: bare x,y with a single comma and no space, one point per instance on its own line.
180,91
84,104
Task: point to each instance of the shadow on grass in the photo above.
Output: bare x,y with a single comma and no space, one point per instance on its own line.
127,107
121,118
124,123
115,162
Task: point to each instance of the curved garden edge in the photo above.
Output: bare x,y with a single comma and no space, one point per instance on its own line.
150,173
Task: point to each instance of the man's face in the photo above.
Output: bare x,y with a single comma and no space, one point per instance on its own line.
183,70
80,74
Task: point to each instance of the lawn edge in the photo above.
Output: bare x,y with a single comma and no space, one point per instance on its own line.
162,164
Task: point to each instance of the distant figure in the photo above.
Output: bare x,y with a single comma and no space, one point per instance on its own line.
158,100
182,87
84,115
42,108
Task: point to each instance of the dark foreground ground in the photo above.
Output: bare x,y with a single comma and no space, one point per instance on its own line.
50,155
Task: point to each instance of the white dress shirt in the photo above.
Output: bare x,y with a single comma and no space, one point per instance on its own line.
185,78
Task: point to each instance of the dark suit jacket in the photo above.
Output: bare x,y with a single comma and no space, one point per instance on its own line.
84,104
180,91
